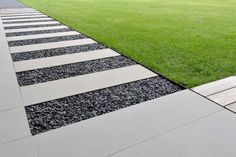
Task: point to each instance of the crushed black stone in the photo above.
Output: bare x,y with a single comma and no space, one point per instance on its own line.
55,52
45,40
12,22
54,114
30,17
32,26
38,32
70,70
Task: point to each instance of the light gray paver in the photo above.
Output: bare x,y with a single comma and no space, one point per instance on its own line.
13,124
6,68
21,11
115,131
8,81
16,9
5,58
20,148
10,98
7,74
27,24
74,85
216,86
225,97
20,14
63,59
5,12
36,36
51,45
28,19
213,136
26,16
232,107
34,29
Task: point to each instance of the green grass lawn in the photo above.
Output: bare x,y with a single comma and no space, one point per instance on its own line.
189,41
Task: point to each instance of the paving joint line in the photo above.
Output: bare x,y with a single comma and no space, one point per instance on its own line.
16,139
164,133
221,91
21,96
231,103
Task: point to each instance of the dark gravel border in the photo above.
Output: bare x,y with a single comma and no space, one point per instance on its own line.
12,22
45,40
32,26
54,114
38,32
70,70
21,18
55,52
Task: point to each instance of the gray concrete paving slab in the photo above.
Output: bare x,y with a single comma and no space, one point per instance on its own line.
10,4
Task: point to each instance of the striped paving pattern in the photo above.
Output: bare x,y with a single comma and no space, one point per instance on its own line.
65,77
78,98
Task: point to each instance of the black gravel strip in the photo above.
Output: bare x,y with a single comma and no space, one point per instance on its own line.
12,22
21,18
70,70
32,26
38,32
45,40
55,52
54,114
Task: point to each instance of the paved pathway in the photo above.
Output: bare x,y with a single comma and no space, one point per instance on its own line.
64,94
222,92
10,4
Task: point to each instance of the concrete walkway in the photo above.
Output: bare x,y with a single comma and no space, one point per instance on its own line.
10,4
222,92
65,95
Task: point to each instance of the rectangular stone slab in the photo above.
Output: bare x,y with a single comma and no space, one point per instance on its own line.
63,59
14,125
224,98
22,148
80,84
216,86
35,36
50,45
27,24
212,136
34,29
